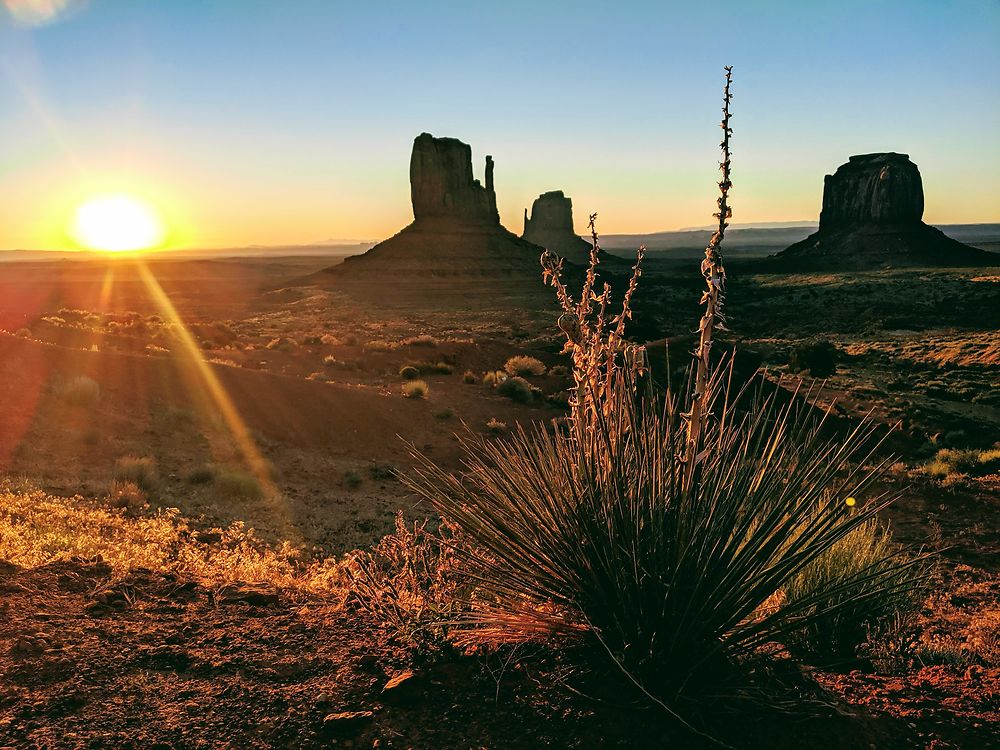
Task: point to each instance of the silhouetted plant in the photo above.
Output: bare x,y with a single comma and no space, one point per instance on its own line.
594,337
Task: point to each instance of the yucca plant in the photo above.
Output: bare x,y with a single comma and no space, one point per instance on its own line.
671,564
593,533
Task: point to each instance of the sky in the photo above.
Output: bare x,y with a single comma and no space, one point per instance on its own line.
285,122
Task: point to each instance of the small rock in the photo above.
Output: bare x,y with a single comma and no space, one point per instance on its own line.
347,721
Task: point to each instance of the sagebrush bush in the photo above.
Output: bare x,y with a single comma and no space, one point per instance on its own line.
126,494
524,366
409,372
493,378
415,389
949,463
138,469
79,390
838,581
517,389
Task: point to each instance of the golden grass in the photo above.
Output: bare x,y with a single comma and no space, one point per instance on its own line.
37,528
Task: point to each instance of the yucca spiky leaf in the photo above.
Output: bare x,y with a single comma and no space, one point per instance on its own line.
594,532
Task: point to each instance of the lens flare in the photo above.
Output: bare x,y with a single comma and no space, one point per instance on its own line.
117,223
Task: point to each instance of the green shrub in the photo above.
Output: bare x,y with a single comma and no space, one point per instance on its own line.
236,484
819,358
517,389
415,389
444,414
140,470
524,366
838,583
352,479
593,534
469,378
409,372
79,391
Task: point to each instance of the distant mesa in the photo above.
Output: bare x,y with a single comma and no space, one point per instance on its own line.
872,218
456,228
550,225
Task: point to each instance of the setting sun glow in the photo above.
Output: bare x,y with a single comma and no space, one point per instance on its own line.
117,223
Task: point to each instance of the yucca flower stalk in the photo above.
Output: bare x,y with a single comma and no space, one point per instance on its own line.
712,298
594,338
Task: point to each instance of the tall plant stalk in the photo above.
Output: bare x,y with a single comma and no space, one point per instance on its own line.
712,298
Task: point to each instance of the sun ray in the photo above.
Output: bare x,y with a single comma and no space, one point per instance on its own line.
245,444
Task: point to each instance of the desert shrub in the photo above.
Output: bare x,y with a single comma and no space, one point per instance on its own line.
517,389
378,345
200,474
409,372
426,367
950,464
469,378
352,479
415,389
312,340
559,371
524,366
493,378
819,358
837,581
341,364
281,344
423,339
381,470
236,484
138,469
405,583
126,494
495,426
24,333
79,390
444,414
317,376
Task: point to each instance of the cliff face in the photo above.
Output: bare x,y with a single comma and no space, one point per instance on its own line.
873,189
442,185
550,225
871,218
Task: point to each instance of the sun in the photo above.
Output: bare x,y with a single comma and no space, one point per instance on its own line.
117,223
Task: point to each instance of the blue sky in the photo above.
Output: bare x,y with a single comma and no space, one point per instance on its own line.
265,122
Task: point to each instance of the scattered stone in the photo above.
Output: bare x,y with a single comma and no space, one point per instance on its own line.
347,722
